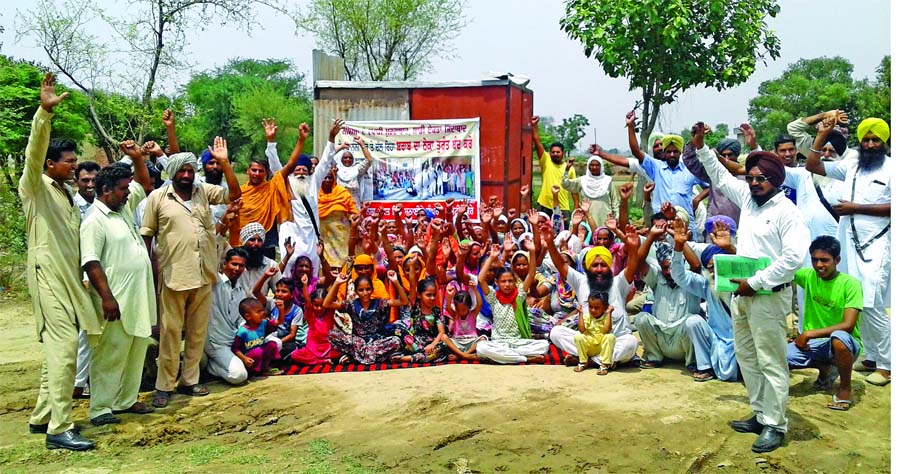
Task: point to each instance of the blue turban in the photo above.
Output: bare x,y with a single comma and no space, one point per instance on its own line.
727,220
304,160
205,157
709,253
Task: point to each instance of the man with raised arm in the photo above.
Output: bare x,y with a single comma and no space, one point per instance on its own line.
60,302
552,168
179,216
864,231
771,226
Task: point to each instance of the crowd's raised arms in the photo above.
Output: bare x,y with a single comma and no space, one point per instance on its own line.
294,268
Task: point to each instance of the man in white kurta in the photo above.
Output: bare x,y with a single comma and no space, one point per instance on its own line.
115,258
771,226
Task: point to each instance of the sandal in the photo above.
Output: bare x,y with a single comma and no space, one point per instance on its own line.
580,367
649,364
161,398
195,390
344,360
702,376
105,419
138,408
839,405
603,370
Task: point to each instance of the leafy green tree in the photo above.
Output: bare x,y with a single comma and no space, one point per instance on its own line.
807,87
873,98
664,47
232,100
385,39
718,132
20,83
569,132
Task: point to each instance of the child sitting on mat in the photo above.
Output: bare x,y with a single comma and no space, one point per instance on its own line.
463,338
291,331
320,322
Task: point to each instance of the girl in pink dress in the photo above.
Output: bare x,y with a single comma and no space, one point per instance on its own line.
318,349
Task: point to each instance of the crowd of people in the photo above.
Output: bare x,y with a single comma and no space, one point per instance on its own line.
289,268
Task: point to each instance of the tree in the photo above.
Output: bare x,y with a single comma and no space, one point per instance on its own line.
231,101
665,47
151,42
807,87
20,83
570,132
872,98
385,39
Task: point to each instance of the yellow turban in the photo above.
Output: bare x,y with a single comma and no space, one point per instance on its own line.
676,140
598,251
875,125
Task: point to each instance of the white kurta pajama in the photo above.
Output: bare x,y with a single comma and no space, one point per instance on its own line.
301,230
775,230
871,187
506,345
117,362
664,333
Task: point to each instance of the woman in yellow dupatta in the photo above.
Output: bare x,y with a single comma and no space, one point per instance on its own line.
336,205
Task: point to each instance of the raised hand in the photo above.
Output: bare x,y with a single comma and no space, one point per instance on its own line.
130,148
271,271
49,99
168,118
288,247
547,235
570,163
680,233
649,187
626,190
392,276
632,240
446,248
152,148
594,149
585,207
497,211
668,210
525,190
303,130
219,150
841,117
535,120
533,218
495,251
231,212
630,118
320,248
508,244
657,230
577,217
486,214
826,126
611,222
698,135
528,243
512,213
342,278
721,235
335,129
270,128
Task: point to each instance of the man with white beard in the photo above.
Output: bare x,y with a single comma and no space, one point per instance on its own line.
303,232
864,232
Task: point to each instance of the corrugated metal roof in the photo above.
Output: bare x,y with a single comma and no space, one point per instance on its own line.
409,84
353,108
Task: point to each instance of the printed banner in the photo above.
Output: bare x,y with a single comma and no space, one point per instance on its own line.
419,163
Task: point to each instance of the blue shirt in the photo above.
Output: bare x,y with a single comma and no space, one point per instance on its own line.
675,185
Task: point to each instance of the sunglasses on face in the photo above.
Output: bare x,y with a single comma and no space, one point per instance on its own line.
760,179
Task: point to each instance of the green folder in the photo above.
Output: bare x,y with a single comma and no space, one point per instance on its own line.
735,266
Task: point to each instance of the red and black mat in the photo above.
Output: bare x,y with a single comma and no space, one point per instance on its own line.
553,357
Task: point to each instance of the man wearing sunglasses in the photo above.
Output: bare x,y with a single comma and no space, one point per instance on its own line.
771,226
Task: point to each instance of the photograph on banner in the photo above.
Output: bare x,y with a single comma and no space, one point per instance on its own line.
418,163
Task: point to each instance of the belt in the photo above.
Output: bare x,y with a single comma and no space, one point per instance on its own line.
776,289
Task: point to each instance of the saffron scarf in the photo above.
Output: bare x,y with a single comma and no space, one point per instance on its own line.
339,199
265,203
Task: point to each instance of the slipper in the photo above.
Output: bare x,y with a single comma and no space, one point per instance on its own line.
875,378
603,370
105,419
161,398
138,408
275,372
839,405
344,360
702,376
580,368
195,390
649,364
864,366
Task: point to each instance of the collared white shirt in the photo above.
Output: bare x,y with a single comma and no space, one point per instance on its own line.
775,230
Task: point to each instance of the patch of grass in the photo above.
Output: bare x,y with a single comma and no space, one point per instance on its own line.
203,454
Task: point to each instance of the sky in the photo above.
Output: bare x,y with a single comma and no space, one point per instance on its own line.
523,37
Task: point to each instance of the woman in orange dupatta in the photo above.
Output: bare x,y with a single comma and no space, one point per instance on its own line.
336,205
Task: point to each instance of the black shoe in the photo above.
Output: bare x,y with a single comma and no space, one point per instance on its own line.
769,440
38,429
71,440
105,419
750,425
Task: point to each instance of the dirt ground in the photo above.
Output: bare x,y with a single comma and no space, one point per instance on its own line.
457,419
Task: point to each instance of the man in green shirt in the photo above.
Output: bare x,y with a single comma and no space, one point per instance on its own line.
552,168
830,335
60,302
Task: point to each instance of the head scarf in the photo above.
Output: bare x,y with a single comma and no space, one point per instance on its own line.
251,229
178,160
562,237
653,137
520,221
676,140
545,216
347,175
729,144
596,234
205,157
587,237
727,220
595,186
598,251
682,214
708,253
875,125
579,262
769,164
403,279
664,252
522,238
502,218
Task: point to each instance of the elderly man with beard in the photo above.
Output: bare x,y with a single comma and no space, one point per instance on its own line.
598,276
115,260
772,227
178,215
304,182
252,236
712,336
865,233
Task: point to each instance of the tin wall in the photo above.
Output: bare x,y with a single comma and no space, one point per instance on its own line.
355,104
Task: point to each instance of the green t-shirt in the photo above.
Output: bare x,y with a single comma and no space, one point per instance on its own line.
825,300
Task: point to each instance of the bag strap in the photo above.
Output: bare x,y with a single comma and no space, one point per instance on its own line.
312,216
825,202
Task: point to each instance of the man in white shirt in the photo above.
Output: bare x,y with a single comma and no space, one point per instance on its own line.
771,226
865,233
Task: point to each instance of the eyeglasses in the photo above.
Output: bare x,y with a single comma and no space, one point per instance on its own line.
759,179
